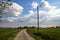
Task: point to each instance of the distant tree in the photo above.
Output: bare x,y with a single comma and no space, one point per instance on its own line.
57,26
25,27
33,26
19,27
52,27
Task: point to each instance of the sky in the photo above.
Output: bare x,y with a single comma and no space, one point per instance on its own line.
24,13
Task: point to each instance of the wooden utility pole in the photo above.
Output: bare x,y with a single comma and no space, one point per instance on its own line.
38,18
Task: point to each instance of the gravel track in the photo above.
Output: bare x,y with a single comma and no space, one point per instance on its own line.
23,35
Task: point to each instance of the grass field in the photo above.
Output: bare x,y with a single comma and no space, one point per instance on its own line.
8,33
45,33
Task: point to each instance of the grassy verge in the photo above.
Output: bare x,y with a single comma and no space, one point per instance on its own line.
8,33
33,32
45,33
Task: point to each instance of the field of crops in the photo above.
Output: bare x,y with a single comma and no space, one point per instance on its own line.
8,33
45,33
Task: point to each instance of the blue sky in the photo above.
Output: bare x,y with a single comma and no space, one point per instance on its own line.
27,4
23,13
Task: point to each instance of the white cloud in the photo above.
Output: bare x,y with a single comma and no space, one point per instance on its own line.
27,17
30,14
50,17
8,20
10,13
11,19
34,4
46,6
53,14
14,10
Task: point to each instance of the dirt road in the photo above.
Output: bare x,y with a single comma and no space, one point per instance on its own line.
23,35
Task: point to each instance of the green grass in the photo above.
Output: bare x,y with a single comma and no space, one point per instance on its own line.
45,33
8,33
